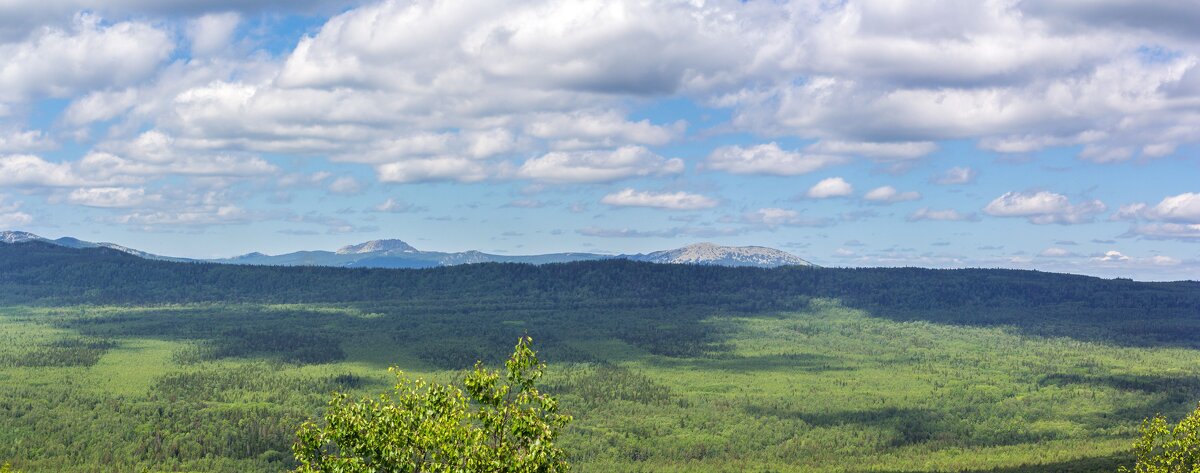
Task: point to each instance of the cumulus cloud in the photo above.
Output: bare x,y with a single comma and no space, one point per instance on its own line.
879,151
1044,207
22,140
486,80
111,197
89,55
29,170
11,215
1174,217
433,169
768,159
829,188
191,217
598,166
99,169
591,130
211,33
889,195
943,215
1182,208
1112,256
662,200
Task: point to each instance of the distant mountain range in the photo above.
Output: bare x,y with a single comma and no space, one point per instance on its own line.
69,242
398,254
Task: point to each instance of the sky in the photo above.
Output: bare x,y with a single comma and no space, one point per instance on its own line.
1058,135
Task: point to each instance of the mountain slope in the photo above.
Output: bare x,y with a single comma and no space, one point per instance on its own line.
71,242
711,254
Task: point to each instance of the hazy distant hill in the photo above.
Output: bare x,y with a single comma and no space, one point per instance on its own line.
398,254
392,253
70,242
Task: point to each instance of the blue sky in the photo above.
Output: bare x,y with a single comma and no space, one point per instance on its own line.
1055,135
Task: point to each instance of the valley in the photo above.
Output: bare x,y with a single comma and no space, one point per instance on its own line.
133,363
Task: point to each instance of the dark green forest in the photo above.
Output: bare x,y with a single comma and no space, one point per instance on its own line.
1115,310
108,359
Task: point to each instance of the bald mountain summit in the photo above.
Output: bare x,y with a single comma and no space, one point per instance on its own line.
392,253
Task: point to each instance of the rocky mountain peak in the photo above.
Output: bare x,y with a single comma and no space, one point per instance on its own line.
375,246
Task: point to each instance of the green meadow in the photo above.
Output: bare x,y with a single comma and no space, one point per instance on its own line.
820,387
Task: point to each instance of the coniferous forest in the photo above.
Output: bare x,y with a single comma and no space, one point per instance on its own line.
113,362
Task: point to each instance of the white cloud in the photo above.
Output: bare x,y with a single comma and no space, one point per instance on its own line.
1112,256
773,217
945,215
195,216
11,215
107,167
592,130
394,206
211,33
768,159
860,78
879,151
29,170
1165,260
100,105
111,197
1106,154
1174,217
598,166
59,62
1044,207
697,232
1182,208
433,169
346,185
22,140
1181,231
1056,252
956,176
889,194
525,204
662,200
830,187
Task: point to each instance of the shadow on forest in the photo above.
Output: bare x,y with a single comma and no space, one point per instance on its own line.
1082,465
1128,382
1171,396
909,426
808,362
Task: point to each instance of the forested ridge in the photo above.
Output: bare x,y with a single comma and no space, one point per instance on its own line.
38,272
1152,312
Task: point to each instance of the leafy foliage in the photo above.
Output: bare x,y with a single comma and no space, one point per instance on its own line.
1162,448
499,426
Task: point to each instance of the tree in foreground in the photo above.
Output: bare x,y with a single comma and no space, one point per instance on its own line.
1165,449
501,424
